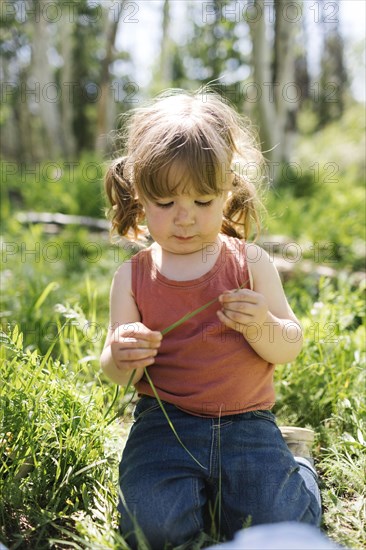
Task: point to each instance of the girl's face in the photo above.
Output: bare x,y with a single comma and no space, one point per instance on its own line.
186,222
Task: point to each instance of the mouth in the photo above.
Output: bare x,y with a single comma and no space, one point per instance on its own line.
183,238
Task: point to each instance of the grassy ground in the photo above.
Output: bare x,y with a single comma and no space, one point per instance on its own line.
63,425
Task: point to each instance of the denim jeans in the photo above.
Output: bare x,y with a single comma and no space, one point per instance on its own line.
242,473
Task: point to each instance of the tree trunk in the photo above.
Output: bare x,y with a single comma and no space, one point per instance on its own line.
67,112
269,130
45,87
166,61
11,144
274,77
286,90
333,78
111,26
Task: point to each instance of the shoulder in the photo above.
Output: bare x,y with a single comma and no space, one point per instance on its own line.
243,254
125,269
123,307
234,245
122,276
256,254
261,266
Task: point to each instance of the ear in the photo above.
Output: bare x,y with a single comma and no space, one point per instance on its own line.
140,200
231,183
234,179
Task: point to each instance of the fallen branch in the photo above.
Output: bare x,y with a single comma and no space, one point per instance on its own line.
278,243
62,220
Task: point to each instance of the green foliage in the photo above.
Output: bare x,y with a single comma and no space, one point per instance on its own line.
214,49
51,285
324,390
319,201
332,362
68,187
343,468
54,453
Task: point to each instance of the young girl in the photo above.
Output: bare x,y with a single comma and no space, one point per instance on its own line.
204,451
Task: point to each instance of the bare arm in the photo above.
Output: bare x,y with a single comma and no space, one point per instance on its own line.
129,344
263,315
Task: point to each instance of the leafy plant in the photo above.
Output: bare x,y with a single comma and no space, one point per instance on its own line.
54,452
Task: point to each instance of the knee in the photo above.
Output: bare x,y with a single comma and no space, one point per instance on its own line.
145,527
298,505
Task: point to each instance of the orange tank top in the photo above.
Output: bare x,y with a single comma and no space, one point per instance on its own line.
202,367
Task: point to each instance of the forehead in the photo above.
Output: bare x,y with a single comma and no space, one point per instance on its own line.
180,177
176,178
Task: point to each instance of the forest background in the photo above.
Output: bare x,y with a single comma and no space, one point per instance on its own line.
69,69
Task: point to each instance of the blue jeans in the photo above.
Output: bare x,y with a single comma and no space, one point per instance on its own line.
246,476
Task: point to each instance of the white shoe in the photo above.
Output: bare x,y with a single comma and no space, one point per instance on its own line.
299,441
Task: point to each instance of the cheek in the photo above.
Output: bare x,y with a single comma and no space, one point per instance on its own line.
215,218
156,220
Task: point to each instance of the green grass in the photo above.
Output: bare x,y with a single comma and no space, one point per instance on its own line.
321,206
69,187
58,447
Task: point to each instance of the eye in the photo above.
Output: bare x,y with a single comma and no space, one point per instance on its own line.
164,204
201,203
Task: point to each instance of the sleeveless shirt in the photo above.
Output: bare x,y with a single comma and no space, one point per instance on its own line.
202,366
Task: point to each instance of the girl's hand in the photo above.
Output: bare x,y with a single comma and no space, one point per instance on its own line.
134,346
242,308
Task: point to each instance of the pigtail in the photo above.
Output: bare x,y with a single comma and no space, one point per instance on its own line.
241,210
126,211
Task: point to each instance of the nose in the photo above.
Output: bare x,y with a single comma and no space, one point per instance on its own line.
184,216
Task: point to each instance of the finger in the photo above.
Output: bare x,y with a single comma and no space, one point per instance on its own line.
138,364
241,308
138,331
133,343
239,296
227,321
135,354
238,318
133,358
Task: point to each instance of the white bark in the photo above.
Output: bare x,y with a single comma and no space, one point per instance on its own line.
106,101
166,69
286,90
46,87
262,52
276,107
66,30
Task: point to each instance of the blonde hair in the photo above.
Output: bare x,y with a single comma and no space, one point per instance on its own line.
203,132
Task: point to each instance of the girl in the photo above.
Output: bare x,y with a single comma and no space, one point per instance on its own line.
204,451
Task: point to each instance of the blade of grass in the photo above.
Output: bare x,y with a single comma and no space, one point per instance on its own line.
113,401
195,312
123,408
49,288
188,316
169,421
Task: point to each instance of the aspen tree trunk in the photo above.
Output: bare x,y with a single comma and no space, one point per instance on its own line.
286,90
29,129
274,74
106,101
262,73
11,145
334,80
166,68
46,89
67,88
